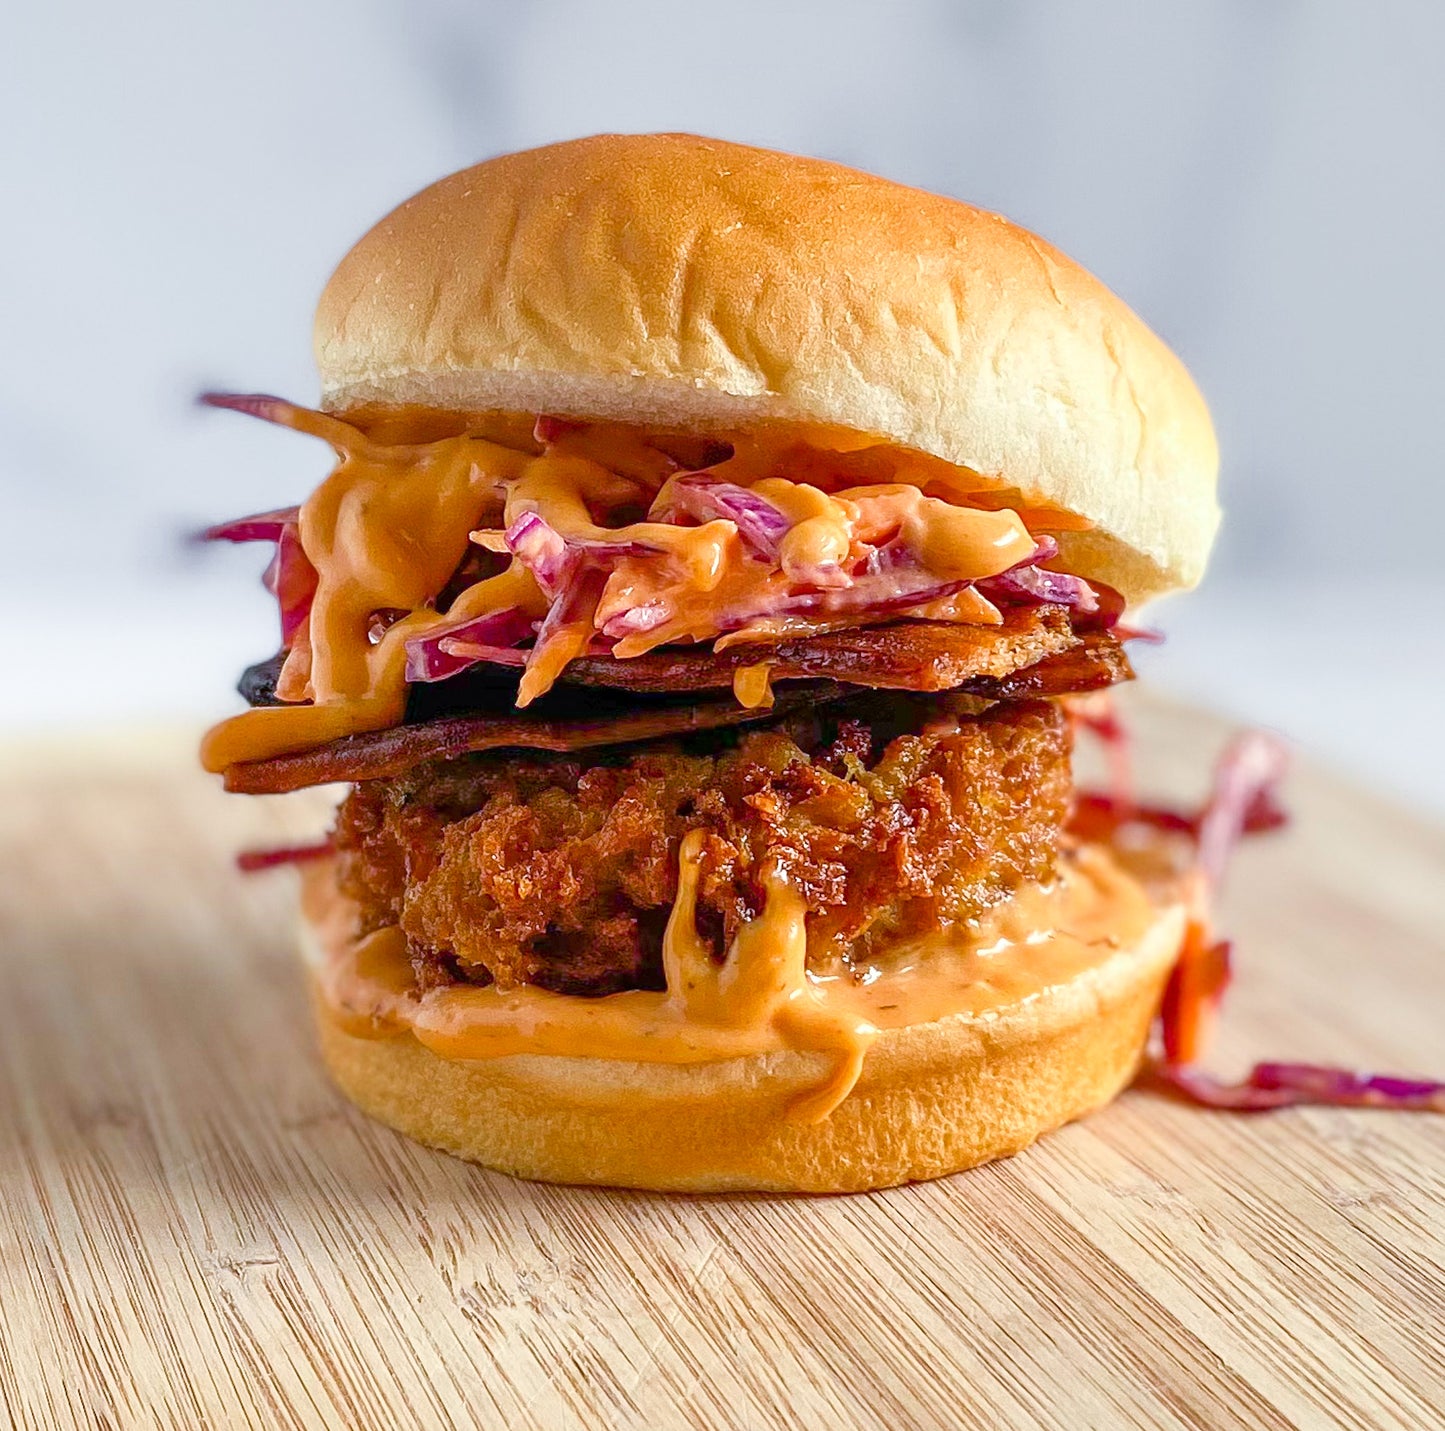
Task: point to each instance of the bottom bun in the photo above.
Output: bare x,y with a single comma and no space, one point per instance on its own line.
932,1099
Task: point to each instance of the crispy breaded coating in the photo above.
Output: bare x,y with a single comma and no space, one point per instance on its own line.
890,815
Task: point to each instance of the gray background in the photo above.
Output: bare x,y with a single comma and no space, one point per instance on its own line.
1262,181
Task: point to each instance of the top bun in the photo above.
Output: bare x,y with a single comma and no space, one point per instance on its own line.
680,282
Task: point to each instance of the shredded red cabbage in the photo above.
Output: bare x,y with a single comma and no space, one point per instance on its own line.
1025,584
1101,814
1246,776
292,580
1286,1085
469,653
637,620
261,527
541,549
1028,584
553,559
880,593
1149,635
1243,800
337,431
290,577
1110,607
1099,715
548,429
250,861
262,405
761,525
432,657
577,602
824,575
889,581
1033,586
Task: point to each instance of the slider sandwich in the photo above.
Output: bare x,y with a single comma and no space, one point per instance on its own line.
720,551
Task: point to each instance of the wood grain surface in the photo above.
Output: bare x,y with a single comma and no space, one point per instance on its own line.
195,1231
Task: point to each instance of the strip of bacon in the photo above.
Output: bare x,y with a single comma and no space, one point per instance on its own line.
383,754
906,655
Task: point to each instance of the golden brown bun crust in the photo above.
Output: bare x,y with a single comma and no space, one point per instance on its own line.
933,1099
682,282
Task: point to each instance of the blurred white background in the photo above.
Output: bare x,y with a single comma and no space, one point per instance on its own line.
1263,182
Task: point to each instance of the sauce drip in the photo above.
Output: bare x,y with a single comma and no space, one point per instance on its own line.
753,685
759,999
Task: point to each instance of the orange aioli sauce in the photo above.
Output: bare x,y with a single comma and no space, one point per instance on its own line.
760,999
753,685
390,525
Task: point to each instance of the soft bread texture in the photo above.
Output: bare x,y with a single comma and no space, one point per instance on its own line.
933,1098
679,282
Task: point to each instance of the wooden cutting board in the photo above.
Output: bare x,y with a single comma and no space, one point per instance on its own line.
195,1231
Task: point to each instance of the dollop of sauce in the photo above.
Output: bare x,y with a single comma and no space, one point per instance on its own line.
761,998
